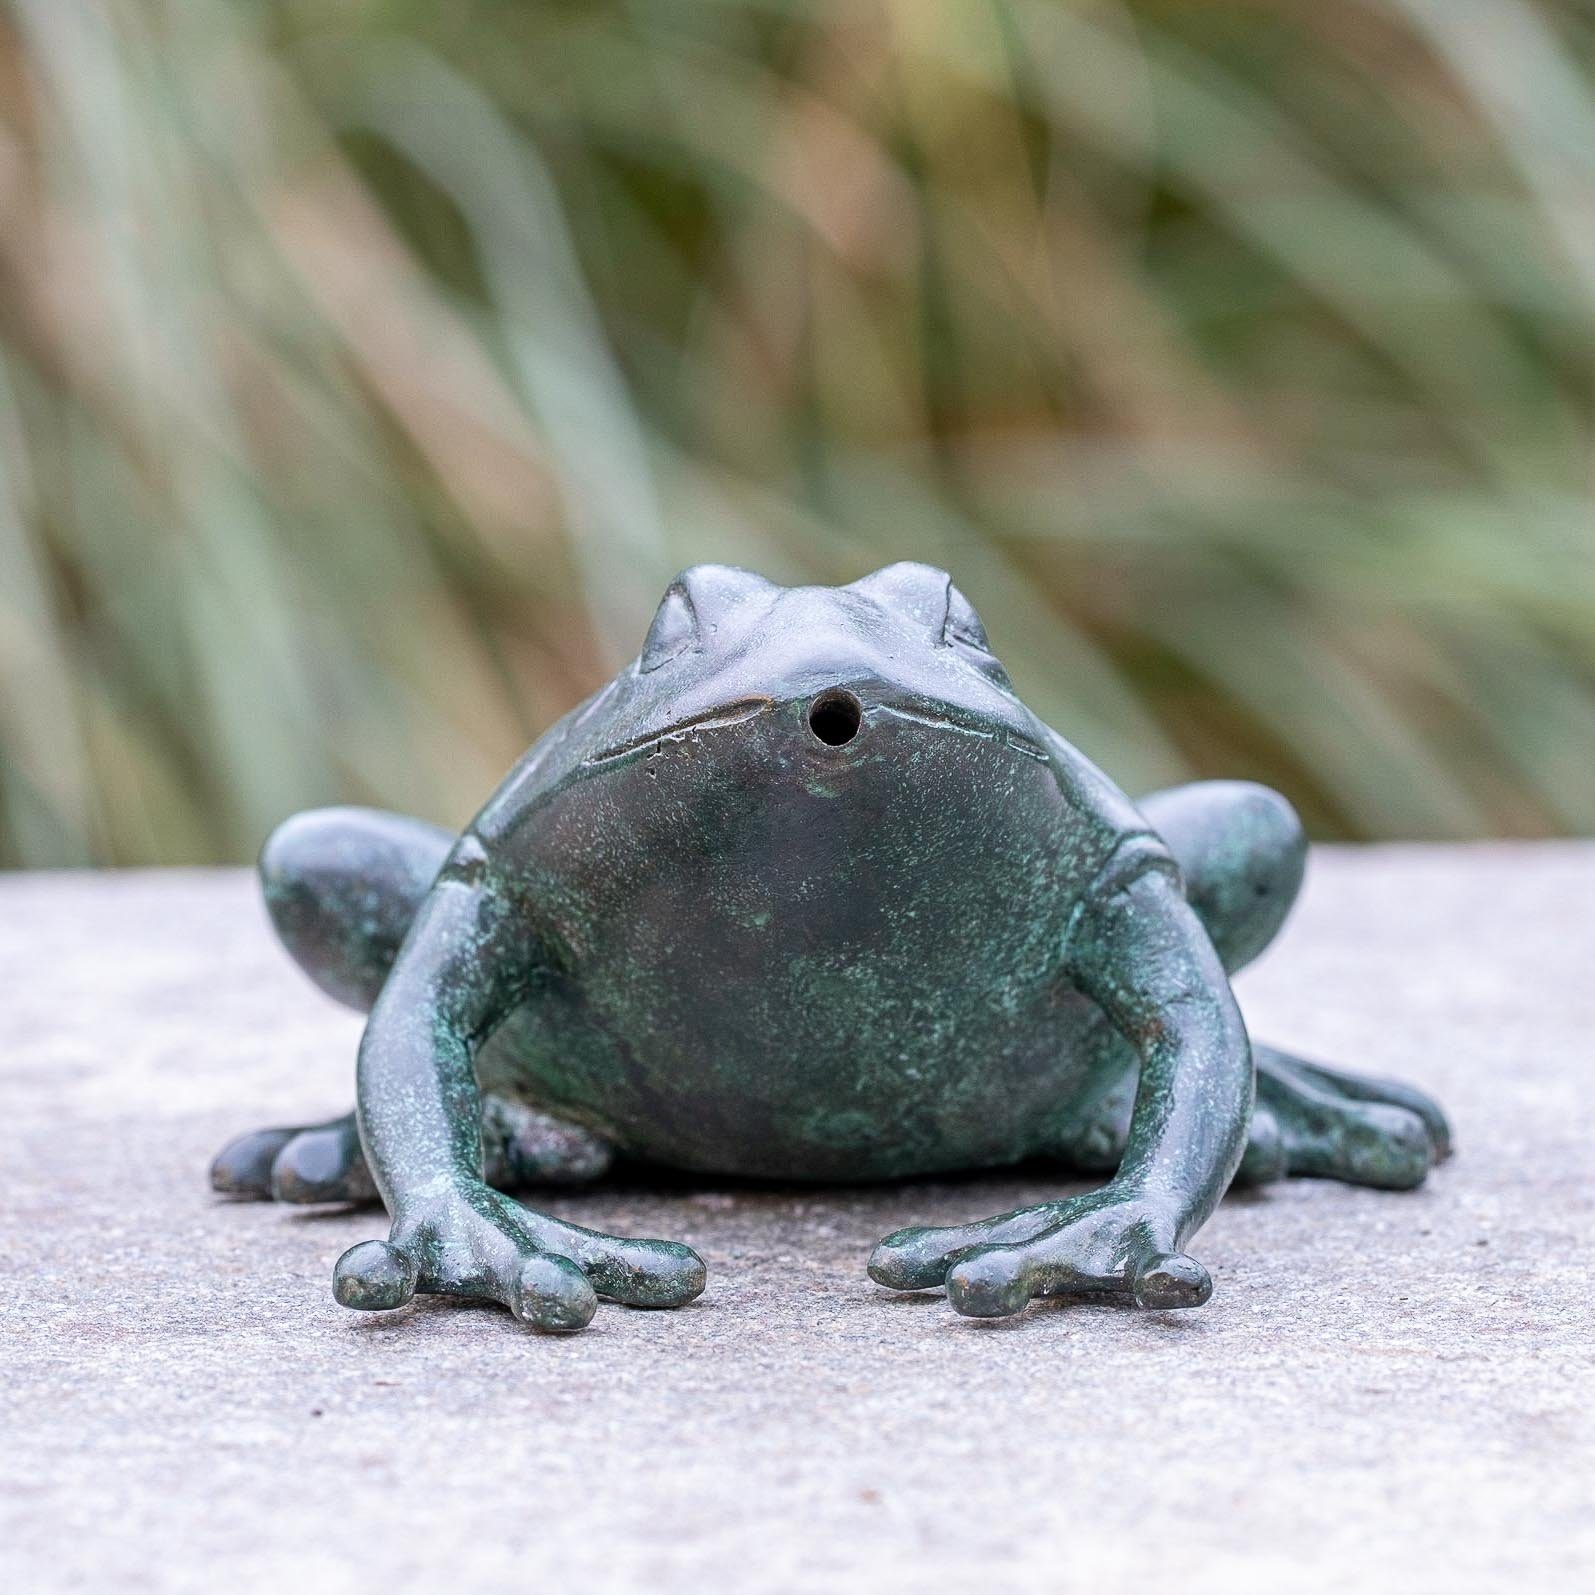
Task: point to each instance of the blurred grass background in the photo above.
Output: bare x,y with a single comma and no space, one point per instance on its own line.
368,366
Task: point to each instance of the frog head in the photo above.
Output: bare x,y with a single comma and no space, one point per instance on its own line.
829,665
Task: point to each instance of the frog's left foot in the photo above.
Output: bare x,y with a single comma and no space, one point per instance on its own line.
471,1240
1101,1244
1311,1120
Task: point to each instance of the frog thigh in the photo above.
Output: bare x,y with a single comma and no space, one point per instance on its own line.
1242,851
342,886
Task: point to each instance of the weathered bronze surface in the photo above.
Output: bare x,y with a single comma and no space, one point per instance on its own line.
807,893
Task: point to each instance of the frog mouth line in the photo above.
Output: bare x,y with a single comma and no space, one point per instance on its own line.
1016,740
728,714
744,709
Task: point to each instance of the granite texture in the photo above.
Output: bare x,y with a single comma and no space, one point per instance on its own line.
1386,1392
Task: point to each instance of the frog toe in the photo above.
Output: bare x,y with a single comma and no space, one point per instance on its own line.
1170,1280
552,1293
323,1164
243,1167
1266,1158
911,1259
635,1272
990,1282
919,1258
647,1273
374,1277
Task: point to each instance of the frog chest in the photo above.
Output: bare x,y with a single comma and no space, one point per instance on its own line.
924,880
786,978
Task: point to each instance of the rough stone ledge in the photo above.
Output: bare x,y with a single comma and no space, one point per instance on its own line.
1387,1392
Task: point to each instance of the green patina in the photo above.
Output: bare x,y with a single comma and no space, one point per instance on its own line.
806,893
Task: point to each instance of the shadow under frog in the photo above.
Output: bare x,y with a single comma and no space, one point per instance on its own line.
807,893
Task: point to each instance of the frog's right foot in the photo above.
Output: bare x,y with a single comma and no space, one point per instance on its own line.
316,1163
325,1163
1311,1120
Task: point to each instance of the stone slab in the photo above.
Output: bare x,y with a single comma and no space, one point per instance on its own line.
1386,1392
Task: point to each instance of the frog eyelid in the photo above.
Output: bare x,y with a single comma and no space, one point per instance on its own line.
962,624
674,630
962,628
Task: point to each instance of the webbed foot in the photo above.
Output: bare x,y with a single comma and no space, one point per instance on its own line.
1104,1243
1312,1120
470,1240
325,1162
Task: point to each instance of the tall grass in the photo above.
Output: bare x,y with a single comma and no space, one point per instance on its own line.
367,368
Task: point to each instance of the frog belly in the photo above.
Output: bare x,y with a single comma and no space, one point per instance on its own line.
889,1086
767,961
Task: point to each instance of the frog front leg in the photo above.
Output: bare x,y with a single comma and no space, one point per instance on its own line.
1137,948
465,965
342,887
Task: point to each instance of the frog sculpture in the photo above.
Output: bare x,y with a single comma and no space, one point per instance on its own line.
807,894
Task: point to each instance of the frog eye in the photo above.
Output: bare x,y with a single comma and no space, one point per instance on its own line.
963,629
674,630
963,624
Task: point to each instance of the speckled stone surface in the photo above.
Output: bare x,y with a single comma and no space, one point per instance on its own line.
1386,1392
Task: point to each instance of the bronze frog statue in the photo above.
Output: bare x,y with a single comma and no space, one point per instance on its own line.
807,893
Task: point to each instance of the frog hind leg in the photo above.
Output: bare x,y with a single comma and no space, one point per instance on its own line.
342,886
1242,853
